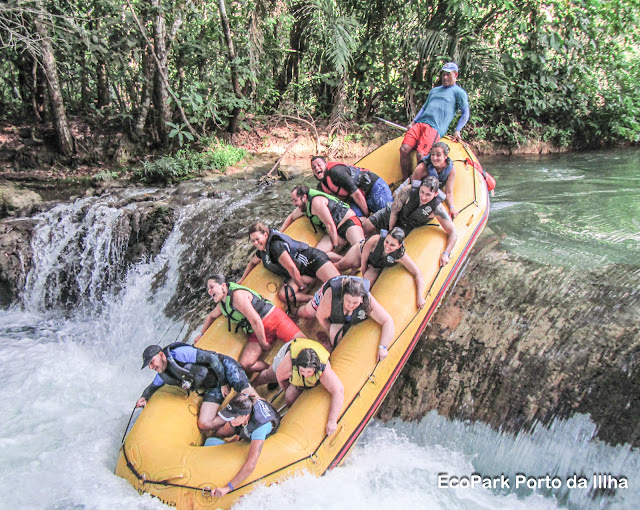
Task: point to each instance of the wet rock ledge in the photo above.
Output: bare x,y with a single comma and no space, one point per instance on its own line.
518,342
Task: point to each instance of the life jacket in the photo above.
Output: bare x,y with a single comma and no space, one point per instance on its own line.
262,412
337,315
441,176
190,376
414,214
361,177
379,259
337,208
295,346
295,247
260,304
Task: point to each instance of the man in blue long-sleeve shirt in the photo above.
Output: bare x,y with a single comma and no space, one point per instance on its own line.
434,117
195,369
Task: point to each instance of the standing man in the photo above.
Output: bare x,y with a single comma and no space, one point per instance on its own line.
365,191
434,117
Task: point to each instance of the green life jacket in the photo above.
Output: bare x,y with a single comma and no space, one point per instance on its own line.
260,304
337,208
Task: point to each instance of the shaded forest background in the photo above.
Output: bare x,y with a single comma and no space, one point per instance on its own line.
168,73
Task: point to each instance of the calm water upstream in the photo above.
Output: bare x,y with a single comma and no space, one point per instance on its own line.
70,377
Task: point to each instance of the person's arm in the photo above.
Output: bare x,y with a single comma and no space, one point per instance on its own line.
399,201
447,224
420,172
465,113
211,316
320,208
247,468
155,385
361,201
295,214
369,246
410,266
448,190
255,260
324,310
287,262
242,302
334,386
382,317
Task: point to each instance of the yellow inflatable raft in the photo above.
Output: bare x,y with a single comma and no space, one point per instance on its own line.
163,453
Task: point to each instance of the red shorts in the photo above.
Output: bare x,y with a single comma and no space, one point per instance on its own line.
277,325
421,137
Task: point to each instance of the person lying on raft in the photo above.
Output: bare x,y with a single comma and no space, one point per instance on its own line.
300,365
365,191
382,250
414,207
346,301
195,369
259,318
298,263
250,419
439,164
327,212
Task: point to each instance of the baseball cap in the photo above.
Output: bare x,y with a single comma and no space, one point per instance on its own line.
233,411
149,353
450,67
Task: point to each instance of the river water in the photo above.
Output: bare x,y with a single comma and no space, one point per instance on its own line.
71,374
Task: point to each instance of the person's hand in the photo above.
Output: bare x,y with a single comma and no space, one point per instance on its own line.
452,212
225,390
141,402
197,338
444,259
264,346
383,352
331,427
411,124
457,137
221,491
420,301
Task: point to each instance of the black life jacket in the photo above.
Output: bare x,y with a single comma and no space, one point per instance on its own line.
337,311
361,177
414,214
379,259
295,247
262,412
177,373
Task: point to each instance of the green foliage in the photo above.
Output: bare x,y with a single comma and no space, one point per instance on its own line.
561,71
215,156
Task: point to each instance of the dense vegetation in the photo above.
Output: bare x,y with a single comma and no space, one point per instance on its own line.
172,71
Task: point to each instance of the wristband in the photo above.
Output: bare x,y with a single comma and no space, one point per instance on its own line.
382,347
230,486
445,253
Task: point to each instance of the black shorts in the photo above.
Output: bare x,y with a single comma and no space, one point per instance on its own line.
236,378
380,219
351,222
310,261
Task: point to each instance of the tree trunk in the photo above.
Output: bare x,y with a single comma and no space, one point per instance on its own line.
103,84
48,63
160,93
235,80
148,66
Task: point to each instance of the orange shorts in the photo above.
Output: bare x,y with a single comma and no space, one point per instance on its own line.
277,326
421,137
